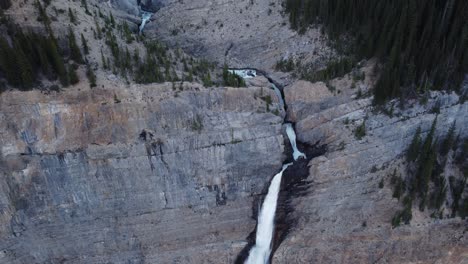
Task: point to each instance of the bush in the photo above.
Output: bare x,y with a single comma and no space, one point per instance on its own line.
285,65
360,131
91,76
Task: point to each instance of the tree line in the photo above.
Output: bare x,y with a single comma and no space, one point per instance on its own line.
423,44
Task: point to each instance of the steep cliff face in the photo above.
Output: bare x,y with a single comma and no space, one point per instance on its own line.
346,214
143,174
166,173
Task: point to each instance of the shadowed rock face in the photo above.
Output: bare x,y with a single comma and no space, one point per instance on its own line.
129,6
143,175
134,6
152,5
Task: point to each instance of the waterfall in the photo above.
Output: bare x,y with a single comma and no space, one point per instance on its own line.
145,17
246,73
260,253
292,139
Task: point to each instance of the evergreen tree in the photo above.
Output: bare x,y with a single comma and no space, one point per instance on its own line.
413,150
75,53
91,76
84,44
43,16
112,21
84,3
103,61
7,63
56,60
5,4
98,29
427,159
422,43
24,68
71,15
72,76
449,140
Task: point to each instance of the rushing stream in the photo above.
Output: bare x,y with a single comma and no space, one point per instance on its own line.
145,17
260,253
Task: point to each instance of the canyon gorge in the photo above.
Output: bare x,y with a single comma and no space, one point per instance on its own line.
180,171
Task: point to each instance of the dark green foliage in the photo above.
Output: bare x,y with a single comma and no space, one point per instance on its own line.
43,17
426,161
103,61
285,65
399,187
463,211
127,34
449,140
98,29
72,76
91,76
56,60
425,179
111,19
360,131
84,3
5,4
71,15
268,101
413,150
84,44
334,69
24,67
231,79
404,215
207,80
29,57
197,124
438,194
423,44
75,53
457,186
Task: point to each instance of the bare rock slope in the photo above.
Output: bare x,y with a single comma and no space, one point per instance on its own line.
242,33
346,215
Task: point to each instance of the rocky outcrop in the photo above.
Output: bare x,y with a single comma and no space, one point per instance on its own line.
128,6
345,217
141,174
242,33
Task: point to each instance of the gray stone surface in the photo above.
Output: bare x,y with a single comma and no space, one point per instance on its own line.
80,183
345,217
242,33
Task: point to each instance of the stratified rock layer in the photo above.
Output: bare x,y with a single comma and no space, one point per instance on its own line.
345,217
133,174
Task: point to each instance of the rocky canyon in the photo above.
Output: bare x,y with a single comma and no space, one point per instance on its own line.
176,170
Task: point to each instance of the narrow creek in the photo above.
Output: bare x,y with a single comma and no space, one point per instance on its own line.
260,253
145,18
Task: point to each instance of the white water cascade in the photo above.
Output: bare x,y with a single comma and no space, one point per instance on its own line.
278,94
292,138
246,73
145,17
260,253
